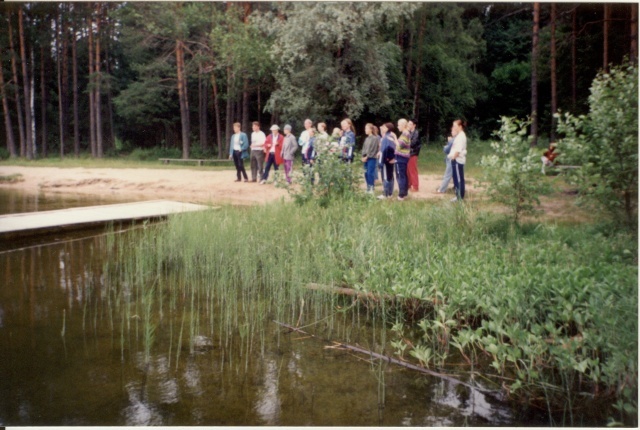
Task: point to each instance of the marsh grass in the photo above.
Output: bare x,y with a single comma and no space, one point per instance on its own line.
546,311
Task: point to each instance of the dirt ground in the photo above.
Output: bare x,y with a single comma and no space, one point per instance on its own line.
194,186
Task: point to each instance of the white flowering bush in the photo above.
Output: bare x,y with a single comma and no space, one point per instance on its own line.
512,174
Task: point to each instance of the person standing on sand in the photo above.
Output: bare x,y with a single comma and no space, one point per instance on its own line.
458,157
238,151
403,153
348,140
289,148
447,171
303,141
257,151
273,152
386,158
412,167
369,152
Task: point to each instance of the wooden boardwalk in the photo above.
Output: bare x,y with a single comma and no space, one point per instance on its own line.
35,223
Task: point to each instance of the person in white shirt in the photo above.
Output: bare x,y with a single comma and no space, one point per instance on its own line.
257,151
458,157
304,139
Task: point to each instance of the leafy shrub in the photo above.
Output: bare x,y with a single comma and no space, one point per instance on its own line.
4,154
332,179
512,173
604,143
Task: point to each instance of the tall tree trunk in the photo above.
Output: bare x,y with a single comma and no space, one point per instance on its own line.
11,141
574,36
74,69
633,55
32,104
229,118
554,93
416,89
605,37
245,104
92,106
184,101
59,70
110,142
16,82
259,106
534,74
65,71
216,109
98,82
202,109
43,103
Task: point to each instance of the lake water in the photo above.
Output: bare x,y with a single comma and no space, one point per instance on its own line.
71,355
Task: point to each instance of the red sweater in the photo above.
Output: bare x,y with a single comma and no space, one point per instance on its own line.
267,147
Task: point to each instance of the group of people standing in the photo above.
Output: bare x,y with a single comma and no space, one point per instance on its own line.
383,151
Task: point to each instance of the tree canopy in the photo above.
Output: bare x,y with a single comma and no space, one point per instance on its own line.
152,73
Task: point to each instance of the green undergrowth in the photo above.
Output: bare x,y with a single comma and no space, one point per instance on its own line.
549,310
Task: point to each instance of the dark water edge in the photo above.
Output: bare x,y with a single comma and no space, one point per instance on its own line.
19,201
68,358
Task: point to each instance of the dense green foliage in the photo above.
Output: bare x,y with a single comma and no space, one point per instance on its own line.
553,309
328,179
512,174
605,144
275,61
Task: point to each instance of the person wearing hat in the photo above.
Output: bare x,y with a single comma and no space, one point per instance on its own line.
272,151
289,148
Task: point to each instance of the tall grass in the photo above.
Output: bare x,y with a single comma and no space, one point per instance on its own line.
548,310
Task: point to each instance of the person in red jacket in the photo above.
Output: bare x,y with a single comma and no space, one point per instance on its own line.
272,151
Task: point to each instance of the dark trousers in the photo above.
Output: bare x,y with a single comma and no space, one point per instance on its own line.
271,161
458,178
401,176
386,173
239,162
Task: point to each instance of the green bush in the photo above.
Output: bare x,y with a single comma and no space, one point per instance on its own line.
511,174
604,143
332,179
4,154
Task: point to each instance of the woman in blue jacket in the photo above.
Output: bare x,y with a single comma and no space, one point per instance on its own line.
238,151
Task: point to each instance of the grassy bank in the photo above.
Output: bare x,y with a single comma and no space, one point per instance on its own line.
548,310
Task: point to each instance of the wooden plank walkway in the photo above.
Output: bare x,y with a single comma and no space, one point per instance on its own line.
34,223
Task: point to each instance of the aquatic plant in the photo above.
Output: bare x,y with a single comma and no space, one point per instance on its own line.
546,311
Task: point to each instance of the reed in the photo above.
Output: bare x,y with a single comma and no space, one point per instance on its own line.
553,307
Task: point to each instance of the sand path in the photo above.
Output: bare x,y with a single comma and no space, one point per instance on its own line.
195,186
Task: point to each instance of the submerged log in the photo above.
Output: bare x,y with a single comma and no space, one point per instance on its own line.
496,394
349,292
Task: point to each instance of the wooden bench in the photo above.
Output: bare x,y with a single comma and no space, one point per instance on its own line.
199,162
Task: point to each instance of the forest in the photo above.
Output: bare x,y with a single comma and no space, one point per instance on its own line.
176,75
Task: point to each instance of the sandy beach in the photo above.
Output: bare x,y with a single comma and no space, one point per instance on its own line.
194,186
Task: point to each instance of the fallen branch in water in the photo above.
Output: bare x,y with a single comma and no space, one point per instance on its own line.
338,345
347,291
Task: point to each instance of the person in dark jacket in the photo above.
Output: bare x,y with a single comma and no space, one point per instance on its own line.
412,167
386,159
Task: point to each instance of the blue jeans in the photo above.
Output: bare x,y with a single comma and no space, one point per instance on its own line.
448,174
386,173
370,172
458,178
401,176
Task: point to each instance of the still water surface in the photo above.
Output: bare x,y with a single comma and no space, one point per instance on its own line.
66,359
